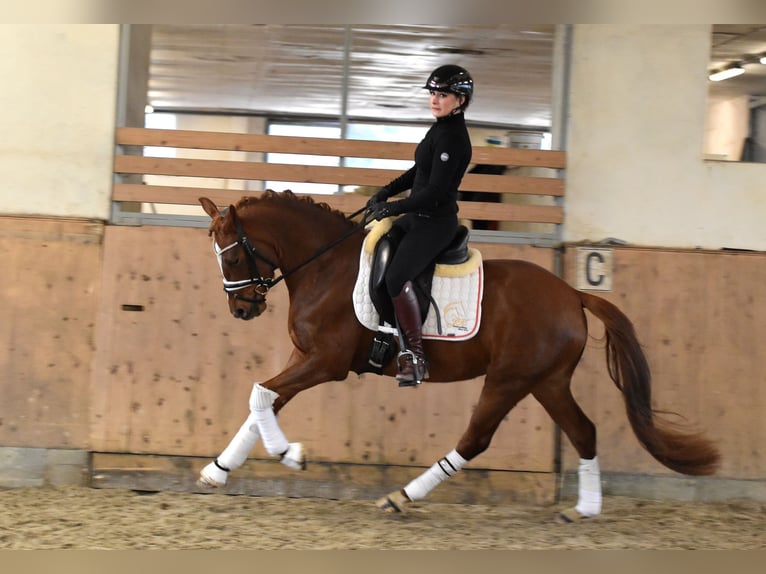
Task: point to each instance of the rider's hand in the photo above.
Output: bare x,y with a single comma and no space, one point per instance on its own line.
382,210
379,197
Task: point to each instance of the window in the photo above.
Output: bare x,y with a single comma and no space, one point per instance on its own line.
160,121
735,127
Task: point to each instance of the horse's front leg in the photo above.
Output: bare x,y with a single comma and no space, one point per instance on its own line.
262,423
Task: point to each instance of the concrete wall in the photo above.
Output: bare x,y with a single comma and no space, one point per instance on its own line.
636,133
57,109
635,151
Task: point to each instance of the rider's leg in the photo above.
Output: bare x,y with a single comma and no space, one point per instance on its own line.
413,367
423,240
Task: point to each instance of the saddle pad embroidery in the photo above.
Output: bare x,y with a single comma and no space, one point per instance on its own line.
458,298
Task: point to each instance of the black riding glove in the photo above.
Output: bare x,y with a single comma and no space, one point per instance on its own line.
382,195
382,210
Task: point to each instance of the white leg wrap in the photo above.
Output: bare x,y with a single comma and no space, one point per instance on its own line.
589,487
430,479
240,446
261,400
217,472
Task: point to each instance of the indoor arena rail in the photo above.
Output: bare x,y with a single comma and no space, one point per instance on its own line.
523,195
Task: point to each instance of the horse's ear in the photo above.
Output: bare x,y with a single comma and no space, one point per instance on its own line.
228,219
210,208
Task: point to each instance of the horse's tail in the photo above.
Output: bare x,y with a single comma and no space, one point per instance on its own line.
678,449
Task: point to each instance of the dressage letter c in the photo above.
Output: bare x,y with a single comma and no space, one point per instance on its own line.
589,262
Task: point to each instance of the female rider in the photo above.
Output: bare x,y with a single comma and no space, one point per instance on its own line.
429,219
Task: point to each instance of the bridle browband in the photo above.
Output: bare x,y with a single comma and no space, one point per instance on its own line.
263,284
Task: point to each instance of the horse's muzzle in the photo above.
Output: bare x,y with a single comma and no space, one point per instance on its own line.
247,308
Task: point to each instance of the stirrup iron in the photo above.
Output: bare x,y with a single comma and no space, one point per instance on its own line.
416,363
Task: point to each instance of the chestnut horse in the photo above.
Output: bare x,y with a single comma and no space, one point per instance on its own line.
531,338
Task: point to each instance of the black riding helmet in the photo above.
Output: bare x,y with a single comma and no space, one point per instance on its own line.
454,79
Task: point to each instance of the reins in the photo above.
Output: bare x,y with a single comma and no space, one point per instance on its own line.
266,283
329,246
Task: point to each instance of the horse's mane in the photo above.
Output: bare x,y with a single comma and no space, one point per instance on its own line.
288,198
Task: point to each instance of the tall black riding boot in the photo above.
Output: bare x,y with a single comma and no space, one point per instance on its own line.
413,367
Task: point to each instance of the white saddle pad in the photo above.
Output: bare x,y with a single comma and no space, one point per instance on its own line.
457,290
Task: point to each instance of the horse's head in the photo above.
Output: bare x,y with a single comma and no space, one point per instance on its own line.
247,271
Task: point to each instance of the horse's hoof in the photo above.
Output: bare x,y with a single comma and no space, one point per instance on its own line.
295,456
212,477
393,503
570,516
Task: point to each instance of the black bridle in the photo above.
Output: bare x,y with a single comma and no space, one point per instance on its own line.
264,284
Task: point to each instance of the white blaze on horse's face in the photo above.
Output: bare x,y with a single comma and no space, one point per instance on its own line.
228,286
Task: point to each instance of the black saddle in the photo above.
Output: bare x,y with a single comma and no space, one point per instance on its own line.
455,253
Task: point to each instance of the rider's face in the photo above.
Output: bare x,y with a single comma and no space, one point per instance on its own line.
444,103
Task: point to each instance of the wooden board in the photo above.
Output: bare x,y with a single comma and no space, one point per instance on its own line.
137,353
322,146
49,295
262,477
701,319
174,377
228,169
348,203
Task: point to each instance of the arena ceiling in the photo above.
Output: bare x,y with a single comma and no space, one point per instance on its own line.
302,70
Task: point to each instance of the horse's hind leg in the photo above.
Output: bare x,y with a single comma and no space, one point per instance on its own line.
494,403
556,398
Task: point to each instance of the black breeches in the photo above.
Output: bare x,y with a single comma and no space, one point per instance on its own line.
424,238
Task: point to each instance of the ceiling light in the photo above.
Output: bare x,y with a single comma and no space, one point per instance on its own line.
763,59
726,74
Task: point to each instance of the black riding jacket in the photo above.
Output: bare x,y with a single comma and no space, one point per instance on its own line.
441,159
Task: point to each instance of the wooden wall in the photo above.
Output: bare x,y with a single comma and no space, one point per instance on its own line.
118,340
175,377
49,292
701,318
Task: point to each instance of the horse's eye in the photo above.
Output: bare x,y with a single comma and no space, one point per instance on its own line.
233,262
